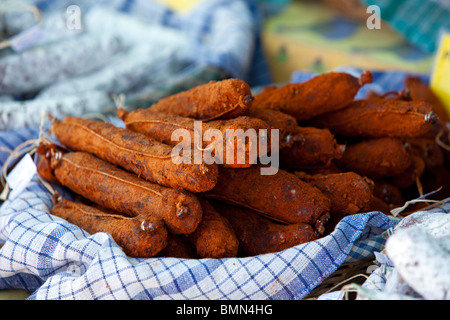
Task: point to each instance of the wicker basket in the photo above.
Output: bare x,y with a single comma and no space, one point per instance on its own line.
344,275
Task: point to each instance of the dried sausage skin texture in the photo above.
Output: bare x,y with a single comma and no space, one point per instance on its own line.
348,192
286,124
321,94
379,118
282,197
224,99
312,148
161,127
214,237
137,237
118,190
259,235
134,152
376,158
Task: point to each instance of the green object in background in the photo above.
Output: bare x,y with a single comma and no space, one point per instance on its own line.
418,21
271,7
306,35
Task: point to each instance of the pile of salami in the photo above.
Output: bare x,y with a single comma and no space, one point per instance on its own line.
338,156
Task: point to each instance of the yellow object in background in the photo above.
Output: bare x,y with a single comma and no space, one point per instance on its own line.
180,5
13,294
440,78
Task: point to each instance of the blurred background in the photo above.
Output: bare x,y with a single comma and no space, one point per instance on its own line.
83,56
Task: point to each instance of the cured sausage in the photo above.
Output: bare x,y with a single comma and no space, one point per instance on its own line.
113,188
377,118
376,158
138,236
134,152
214,237
312,147
214,100
233,135
348,192
286,124
321,94
282,197
259,235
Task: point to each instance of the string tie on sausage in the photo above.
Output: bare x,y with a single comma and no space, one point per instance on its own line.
29,146
439,136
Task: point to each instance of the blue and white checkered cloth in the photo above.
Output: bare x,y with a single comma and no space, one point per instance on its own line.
54,259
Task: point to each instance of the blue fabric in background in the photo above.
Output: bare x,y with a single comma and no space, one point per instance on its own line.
226,33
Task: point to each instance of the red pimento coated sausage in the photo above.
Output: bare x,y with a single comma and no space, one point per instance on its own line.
348,192
214,237
411,175
324,93
46,158
282,197
428,150
178,246
118,190
134,152
138,236
376,158
378,118
420,91
259,235
160,126
224,99
312,148
286,124
388,192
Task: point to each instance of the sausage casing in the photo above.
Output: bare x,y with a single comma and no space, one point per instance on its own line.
286,124
312,148
241,152
223,99
259,235
135,152
376,158
282,197
321,94
214,237
138,236
377,118
348,192
118,190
